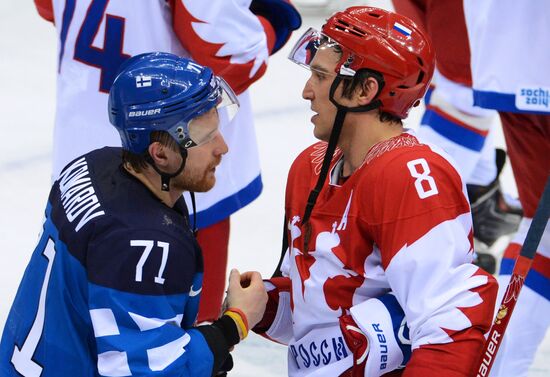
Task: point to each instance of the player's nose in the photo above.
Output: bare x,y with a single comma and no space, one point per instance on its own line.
221,145
307,92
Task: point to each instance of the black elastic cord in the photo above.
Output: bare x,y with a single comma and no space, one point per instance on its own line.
194,205
358,109
165,177
333,141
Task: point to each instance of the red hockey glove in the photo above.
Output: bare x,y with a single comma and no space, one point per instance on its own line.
274,286
357,342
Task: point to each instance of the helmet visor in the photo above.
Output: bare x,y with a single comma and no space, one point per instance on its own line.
205,126
227,100
314,42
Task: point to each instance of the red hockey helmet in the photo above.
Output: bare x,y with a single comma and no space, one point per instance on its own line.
382,41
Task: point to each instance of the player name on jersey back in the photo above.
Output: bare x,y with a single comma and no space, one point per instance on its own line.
78,196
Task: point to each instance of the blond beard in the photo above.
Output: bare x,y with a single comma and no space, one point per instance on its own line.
189,181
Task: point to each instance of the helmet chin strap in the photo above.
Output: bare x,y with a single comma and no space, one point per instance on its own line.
165,177
165,182
332,143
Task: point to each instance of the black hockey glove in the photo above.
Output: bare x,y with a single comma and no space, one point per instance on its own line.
226,366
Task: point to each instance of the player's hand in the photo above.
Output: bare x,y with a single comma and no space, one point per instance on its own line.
357,342
247,292
226,367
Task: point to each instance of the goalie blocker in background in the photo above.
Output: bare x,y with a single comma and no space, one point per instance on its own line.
375,212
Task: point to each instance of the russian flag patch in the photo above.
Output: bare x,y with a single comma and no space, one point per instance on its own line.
402,29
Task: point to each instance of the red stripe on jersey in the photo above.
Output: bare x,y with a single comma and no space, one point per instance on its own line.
541,263
236,75
457,121
45,9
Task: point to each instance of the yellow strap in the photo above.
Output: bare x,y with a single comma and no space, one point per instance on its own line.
237,318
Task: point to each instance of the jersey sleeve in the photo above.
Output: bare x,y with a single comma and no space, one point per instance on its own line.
45,9
143,298
142,334
422,226
226,36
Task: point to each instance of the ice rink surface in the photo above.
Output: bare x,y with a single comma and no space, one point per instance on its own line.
27,93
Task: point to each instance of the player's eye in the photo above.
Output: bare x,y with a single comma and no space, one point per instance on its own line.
319,76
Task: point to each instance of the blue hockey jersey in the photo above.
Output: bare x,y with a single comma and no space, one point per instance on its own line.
112,289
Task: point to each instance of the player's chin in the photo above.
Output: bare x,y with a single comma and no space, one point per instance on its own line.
206,184
319,134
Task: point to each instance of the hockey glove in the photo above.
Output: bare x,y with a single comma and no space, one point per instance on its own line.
282,15
358,344
376,333
226,366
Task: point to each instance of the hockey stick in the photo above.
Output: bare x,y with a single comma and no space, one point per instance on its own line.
521,269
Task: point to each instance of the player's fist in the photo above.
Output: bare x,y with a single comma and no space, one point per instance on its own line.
358,344
247,292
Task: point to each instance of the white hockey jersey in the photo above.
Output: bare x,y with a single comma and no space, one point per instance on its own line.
509,54
96,36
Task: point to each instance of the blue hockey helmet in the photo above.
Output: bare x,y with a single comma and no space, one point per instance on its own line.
164,92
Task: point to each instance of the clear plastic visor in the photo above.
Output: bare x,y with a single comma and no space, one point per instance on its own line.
205,127
307,47
228,100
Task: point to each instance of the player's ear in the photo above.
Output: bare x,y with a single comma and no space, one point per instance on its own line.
366,92
158,153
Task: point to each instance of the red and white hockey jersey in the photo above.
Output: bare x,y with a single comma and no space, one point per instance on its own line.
401,222
97,36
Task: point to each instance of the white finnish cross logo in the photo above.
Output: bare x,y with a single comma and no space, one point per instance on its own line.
143,81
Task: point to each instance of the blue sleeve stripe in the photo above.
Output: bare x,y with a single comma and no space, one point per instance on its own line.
507,266
397,317
535,280
224,208
499,101
428,96
453,131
